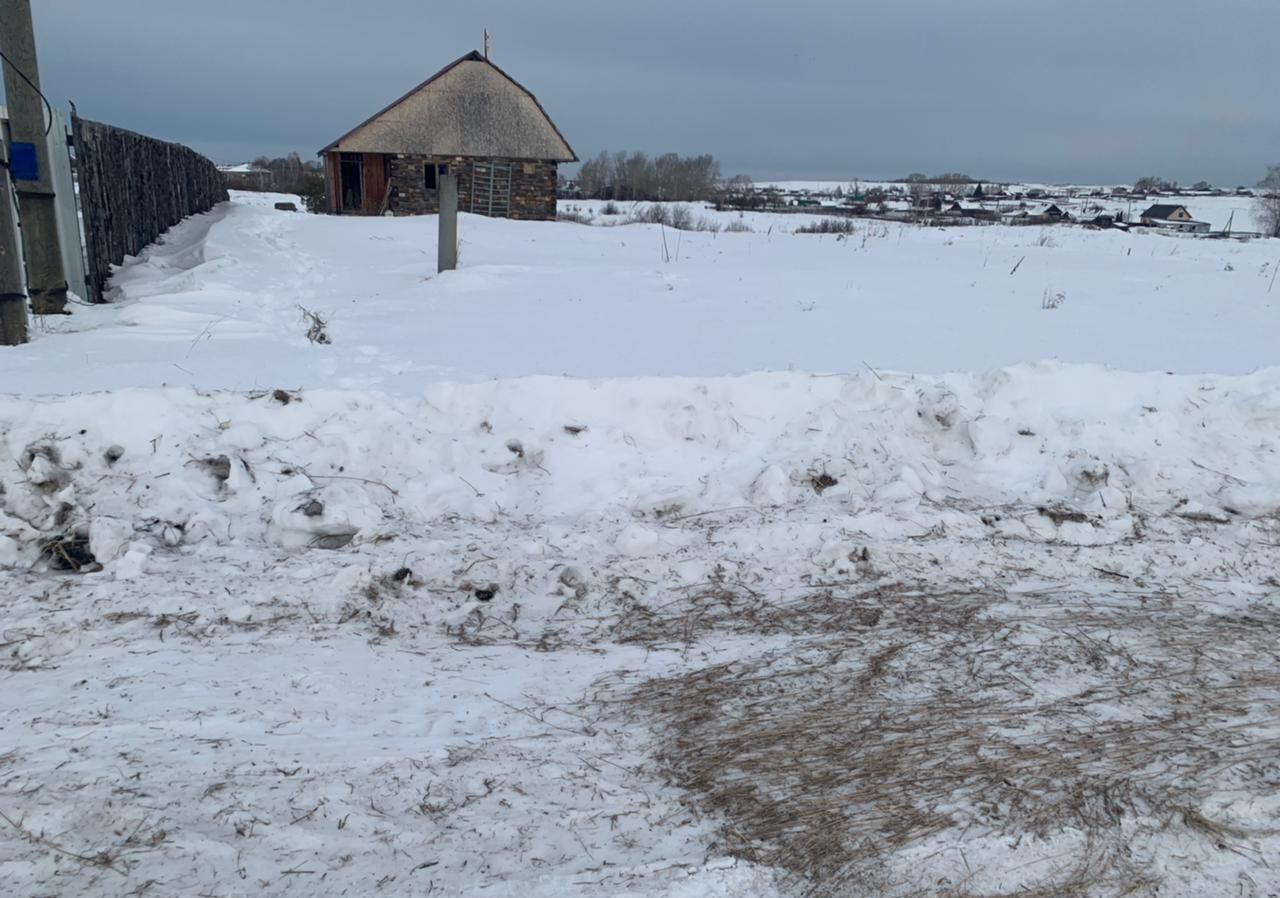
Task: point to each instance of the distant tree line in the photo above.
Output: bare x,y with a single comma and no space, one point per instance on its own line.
289,174
956,183
1157,184
637,176
1154,184
948,178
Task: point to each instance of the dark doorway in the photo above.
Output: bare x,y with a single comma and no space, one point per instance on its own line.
432,172
351,168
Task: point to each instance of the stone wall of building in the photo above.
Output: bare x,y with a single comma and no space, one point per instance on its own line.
533,185
533,191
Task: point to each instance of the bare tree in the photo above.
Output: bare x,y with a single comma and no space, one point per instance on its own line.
1271,183
1269,215
1154,184
1268,212
622,188
595,177
1268,202
739,192
636,176
289,174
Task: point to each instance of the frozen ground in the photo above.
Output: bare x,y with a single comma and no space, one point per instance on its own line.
364,628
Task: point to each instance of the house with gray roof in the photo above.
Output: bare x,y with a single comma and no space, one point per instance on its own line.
1173,218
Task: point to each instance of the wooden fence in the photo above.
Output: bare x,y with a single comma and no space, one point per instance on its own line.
132,188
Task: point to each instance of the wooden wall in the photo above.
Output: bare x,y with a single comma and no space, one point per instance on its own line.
375,183
374,177
332,183
132,189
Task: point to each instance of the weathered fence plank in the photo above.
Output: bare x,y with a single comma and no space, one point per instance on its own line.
133,188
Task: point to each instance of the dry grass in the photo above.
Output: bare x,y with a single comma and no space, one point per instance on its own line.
112,858
729,605
69,552
575,215
904,715
842,226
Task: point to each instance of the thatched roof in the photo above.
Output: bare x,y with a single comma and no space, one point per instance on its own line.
469,108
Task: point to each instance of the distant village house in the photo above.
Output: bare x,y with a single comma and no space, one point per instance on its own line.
1050,213
246,177
1173,218
471,120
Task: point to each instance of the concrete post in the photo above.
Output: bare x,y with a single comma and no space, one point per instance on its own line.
447,254
13,299
46,280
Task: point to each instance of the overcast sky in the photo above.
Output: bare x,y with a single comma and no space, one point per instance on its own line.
1054,90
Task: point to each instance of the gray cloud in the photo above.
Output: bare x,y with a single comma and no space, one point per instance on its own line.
1085,90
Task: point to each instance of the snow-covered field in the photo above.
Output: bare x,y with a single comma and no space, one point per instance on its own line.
217,306
737,608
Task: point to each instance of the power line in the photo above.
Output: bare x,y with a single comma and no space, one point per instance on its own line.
47,105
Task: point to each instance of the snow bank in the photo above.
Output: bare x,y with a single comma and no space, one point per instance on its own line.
378,642
169,468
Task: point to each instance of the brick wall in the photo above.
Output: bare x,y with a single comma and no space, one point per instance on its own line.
533,185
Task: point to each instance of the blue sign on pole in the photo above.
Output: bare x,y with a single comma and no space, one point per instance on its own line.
22,162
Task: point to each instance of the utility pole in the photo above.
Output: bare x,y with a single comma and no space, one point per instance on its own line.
447,223
28,141
13,299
